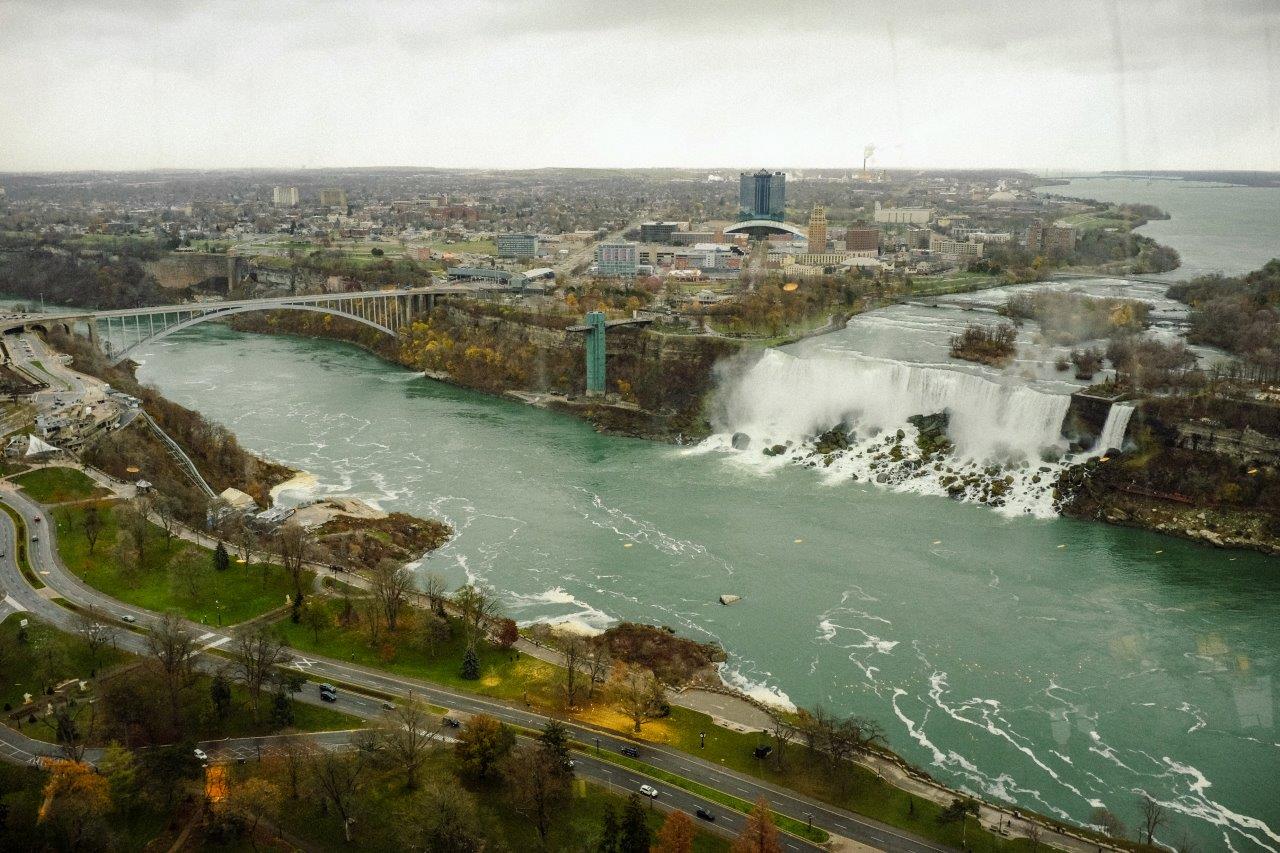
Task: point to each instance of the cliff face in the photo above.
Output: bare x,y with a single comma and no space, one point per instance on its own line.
657,383
1220,487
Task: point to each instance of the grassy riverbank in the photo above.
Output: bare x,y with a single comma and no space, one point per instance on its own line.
171,575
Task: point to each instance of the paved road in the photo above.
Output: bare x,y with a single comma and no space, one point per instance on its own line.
19,594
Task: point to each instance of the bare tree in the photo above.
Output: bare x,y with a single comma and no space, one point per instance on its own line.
433,588
72,725
166,510
1110,824
91,524
258,654
404,736
599,661
1153,816
783,734
97,635
186,568
135,530
573,647
293,544
392,584
632,688
537,785
174,648
477,607
337,777
433,632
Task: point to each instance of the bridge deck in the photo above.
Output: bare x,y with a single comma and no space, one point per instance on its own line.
185,307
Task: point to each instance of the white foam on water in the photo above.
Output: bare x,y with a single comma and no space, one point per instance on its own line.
758,690
999,429
1197,803
581,617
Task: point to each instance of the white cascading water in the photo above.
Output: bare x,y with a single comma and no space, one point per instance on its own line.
1114,429
1000,431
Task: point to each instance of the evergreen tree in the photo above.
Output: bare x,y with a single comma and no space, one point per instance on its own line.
554,740
634,834
471,665
609,830
220,692
221,559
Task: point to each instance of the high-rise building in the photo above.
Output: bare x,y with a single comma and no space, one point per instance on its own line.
762,195
284,196
859,238
658,232
517,245
818,229
333,197
616,258
1047,238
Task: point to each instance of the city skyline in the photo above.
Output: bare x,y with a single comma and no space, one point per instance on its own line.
1078,86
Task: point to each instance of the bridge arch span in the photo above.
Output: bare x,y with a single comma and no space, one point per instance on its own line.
118,356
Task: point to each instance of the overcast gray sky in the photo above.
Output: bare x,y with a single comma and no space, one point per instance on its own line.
1070,84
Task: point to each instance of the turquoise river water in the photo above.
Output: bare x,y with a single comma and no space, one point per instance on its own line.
1056,664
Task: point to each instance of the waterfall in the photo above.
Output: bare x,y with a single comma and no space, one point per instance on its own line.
770,413
783,398
1114,429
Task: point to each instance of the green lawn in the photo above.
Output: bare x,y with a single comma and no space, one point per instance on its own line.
204,595
47,656
56,485
9,468
475,247
575,826
205,725
504,675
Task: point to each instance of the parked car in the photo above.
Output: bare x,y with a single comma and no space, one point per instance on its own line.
328,693
649,791
452,723
387,706
200,754
630,752
128,617
706,815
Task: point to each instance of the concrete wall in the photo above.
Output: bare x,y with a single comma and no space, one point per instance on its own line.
179,270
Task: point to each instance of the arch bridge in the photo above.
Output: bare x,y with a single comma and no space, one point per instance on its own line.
122,332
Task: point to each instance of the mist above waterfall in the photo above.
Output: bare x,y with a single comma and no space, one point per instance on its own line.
783,398
1000,445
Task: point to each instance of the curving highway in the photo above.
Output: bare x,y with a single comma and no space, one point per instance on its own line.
849,831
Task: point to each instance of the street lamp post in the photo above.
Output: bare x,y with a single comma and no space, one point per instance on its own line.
702,740
597,746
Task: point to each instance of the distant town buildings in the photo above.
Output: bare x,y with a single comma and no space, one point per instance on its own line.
762,195
818,229
1047,238
333,197
284,196
658,232
861,239
617,258
954,250
903,215
517,245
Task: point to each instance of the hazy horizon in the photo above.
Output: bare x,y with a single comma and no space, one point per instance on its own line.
1080,85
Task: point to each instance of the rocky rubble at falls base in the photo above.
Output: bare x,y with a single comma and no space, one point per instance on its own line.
919,459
